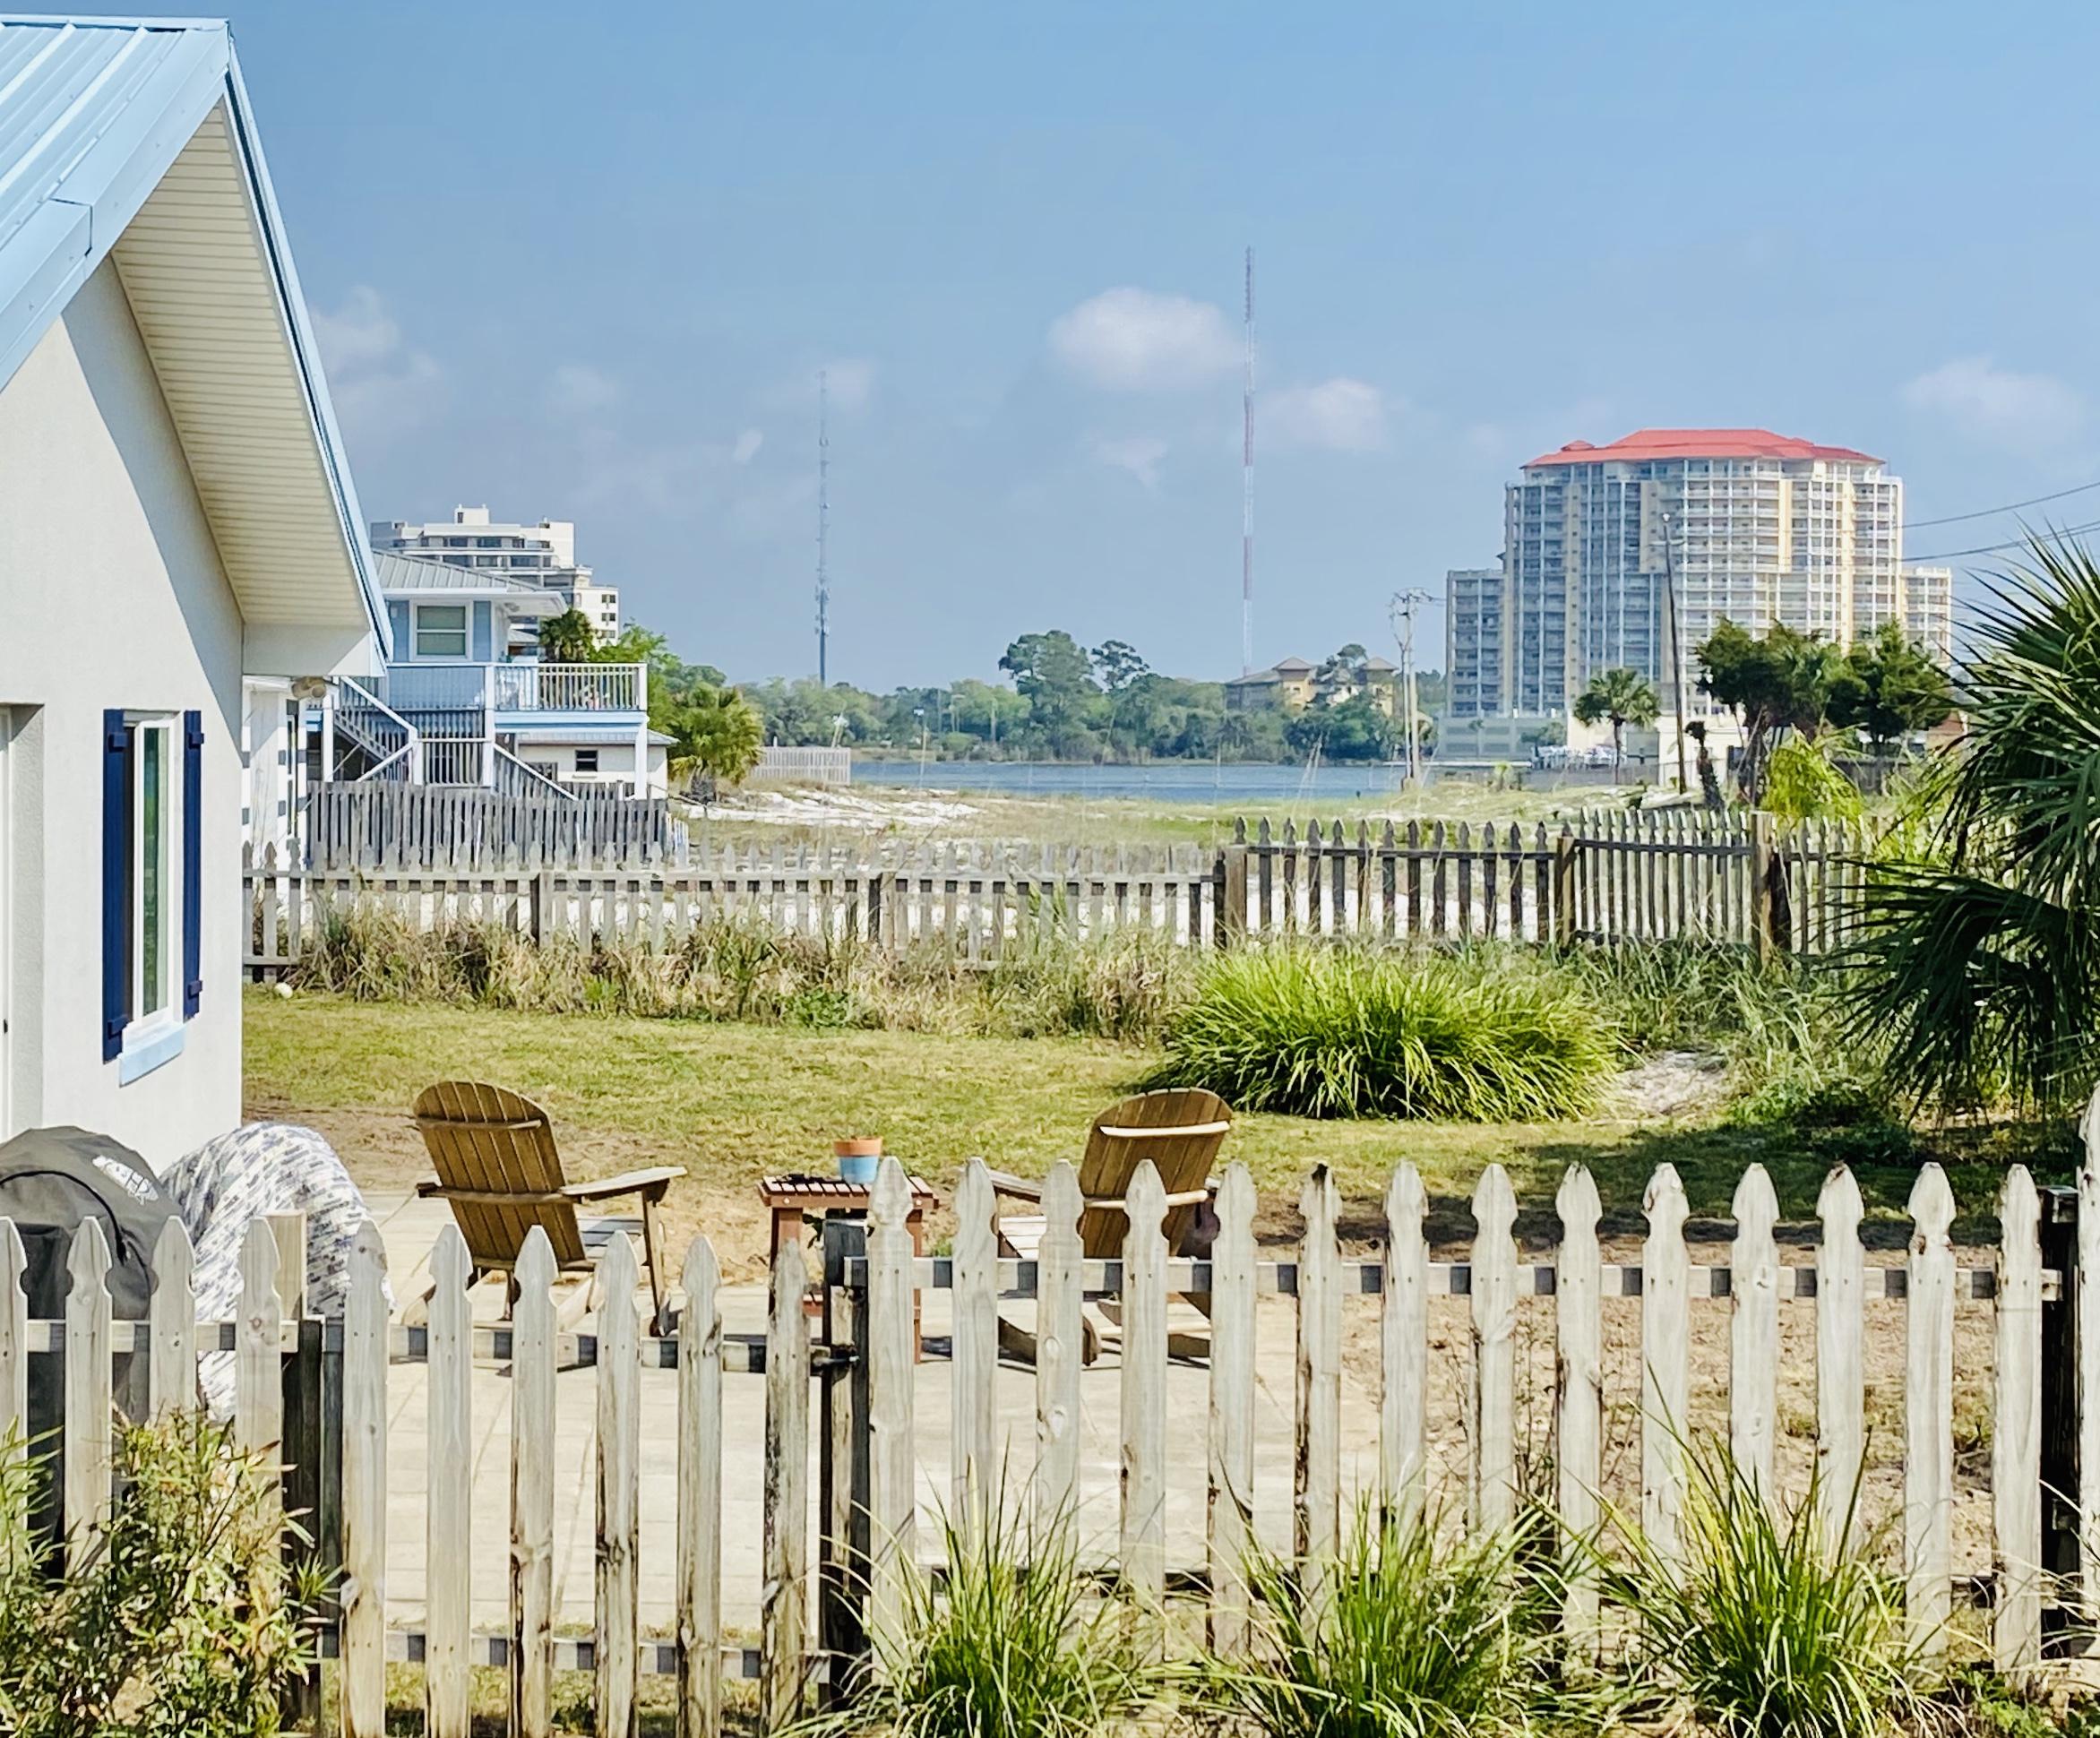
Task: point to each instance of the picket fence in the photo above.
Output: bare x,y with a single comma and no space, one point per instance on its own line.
347,825
1611,876
829,1601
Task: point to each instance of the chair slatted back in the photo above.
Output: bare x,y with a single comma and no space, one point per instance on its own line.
490,1140
1183,1160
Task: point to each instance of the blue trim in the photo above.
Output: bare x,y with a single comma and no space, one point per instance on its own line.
306,349
115,881
142,1057
193,862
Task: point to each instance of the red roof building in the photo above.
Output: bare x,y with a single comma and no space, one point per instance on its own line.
1650,444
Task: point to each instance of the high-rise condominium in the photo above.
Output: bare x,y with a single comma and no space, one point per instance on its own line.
542,555
1760,528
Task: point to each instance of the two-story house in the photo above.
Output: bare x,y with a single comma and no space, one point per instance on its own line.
466,701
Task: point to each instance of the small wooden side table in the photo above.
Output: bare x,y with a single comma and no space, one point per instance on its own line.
796,1199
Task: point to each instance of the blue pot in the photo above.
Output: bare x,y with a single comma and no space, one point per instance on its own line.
859,1169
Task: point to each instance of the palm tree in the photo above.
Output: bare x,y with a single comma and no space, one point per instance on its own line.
1624,696
1976,961
717,736
568,638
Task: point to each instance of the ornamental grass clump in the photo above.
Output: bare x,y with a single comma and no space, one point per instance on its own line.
1012,1641
1763,1625
1326,1031
1399,1635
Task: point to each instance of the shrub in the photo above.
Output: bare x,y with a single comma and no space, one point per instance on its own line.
1343,1032
1396,1638
1762,1625
182,1617
1011,1643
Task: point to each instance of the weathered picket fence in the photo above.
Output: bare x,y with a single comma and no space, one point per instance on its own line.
347,825
1611,876
826,1600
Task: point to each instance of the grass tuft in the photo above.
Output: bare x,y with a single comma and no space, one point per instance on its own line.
1332,1031
1400,1636
1762,1625
1012,1642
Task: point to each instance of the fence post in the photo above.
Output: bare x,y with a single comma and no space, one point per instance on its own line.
1563,924
1231,875
2061,1547
842,1468
1764,915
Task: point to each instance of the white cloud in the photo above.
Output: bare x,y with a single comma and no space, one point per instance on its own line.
578,389
746,447
1139,341
1138,454
377,383
2000,404
1336,416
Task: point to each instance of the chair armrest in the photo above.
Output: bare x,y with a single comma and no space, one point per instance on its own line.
629,1183
1116,1204
1005,1183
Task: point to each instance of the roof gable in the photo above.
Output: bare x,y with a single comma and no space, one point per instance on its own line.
131,141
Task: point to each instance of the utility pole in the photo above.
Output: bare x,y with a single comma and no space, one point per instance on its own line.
823,530
1676,651
1404,605
1247,487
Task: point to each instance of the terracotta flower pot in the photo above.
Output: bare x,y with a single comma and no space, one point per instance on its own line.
859,1159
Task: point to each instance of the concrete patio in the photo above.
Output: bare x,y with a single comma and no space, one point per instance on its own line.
411,1226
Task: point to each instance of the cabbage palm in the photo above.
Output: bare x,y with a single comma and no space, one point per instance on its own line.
716,736
1624,696
1977,955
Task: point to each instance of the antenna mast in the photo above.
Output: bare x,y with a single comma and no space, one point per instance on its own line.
823,530
1247,488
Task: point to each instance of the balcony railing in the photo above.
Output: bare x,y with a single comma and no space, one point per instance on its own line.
570,687
517,687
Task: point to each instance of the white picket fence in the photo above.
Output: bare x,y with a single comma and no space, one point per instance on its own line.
812,1620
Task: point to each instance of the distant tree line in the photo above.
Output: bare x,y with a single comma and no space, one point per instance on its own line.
1068,702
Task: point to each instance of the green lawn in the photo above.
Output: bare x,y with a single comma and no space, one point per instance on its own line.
732,1102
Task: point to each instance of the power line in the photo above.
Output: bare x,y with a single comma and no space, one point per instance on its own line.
1998,548
2009,507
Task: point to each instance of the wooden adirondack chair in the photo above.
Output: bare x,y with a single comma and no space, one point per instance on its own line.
1179,1130
498,1166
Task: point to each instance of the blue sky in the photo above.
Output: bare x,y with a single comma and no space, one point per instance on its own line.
587,265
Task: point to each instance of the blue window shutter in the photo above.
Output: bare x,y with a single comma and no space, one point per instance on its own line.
192,861
115,882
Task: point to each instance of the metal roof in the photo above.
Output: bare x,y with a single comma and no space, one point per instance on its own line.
398,573
130,140
567,734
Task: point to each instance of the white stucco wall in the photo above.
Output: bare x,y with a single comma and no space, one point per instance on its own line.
111,594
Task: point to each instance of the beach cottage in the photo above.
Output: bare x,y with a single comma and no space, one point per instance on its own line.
181,559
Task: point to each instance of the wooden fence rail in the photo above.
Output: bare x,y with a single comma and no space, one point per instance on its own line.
1612,876
826,1598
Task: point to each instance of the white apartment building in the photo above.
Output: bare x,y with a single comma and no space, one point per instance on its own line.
1761,529
542,555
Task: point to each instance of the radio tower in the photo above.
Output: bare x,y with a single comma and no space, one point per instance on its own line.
824,531
1247,488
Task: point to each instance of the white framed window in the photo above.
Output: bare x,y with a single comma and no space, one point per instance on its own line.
441,631
156,895
152,913
586,760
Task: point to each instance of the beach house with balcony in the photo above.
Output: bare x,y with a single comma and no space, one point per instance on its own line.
465,701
